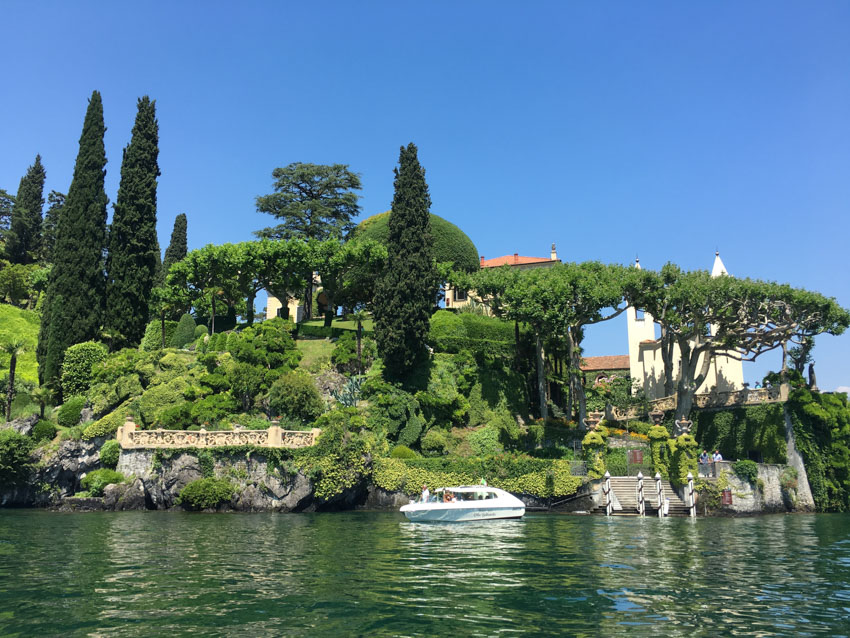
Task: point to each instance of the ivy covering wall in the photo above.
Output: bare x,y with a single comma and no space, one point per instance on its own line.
737,432
822,431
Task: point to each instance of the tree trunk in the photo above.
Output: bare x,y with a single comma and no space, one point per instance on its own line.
329,318
308,298
212,318
10,394
667,345
576,386
249,309
783,372
359,350
689,380
541,381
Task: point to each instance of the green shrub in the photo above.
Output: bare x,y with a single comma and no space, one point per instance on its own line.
683,455
485,441
177,417
206,493
15,459
153,335
746,471
108,424
109,453
403,452
96,481
160,397
69,413
344,355
616,462
212,409
200,331
788,478
658,438
44,431
640,427
77,366
295,395
483,335
434,442
593,447
184,333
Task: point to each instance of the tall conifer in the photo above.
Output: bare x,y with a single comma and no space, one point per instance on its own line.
76,292
23,243
177,247
55,204
133,247
408,290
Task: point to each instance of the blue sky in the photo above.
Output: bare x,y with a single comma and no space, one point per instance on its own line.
664,130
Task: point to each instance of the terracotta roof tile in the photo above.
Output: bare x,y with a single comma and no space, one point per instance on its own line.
612,362
514,260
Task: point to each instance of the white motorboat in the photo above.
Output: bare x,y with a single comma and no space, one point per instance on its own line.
465,503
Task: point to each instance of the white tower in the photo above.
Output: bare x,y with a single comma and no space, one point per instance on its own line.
641,332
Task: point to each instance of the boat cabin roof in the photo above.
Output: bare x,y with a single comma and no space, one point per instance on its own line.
469,488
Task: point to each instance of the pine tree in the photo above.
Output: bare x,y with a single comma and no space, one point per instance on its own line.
23,243
76,292
177,248
55,203
133,247
408,290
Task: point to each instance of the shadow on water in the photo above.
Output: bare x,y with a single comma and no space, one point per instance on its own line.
367,573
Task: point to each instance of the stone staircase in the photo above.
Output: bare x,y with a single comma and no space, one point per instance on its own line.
625,501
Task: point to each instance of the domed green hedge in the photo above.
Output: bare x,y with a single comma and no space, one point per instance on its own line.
450,242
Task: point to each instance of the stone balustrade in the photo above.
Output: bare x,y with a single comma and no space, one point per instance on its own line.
747,396
131,438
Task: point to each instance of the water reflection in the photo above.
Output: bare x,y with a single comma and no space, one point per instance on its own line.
152,573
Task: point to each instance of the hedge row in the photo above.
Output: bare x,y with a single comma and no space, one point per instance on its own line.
522,475
738,432
322,332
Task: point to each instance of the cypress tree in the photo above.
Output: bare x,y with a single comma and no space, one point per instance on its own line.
23,244
55,203
408,289
133,247
76,292
177,248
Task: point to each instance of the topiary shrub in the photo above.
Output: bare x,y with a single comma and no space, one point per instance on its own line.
77,366
658,437
434,443
683,455
746,471
184,333
109,453
592,447
69,413
212,408
640,427
153,335
295,395
109,424
44,431
403,452
393,412
177,417
96,481
200,331
15,459
206,493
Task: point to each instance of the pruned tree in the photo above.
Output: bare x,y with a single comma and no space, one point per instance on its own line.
313,202
705,317
206,274
341,268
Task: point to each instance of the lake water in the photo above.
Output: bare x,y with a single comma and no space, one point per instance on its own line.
370,573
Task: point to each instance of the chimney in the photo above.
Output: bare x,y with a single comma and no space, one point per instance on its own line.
516,258
554,254
482,260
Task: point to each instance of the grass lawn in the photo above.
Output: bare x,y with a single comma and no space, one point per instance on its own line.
345,325
20,324
313,349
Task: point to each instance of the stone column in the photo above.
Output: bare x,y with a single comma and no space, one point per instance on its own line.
275,436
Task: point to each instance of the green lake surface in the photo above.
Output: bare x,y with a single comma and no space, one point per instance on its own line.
374,573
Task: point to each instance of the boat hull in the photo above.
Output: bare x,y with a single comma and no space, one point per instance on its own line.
460,514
